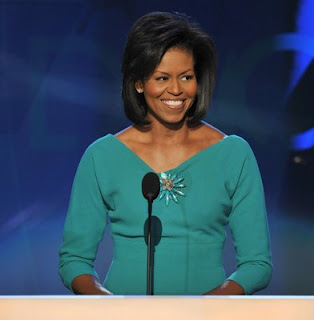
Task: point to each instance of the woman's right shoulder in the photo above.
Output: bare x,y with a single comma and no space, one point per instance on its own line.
100,142
125,134
109,141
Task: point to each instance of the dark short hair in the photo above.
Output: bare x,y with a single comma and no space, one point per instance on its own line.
149,39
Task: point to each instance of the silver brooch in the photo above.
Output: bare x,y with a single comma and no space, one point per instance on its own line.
170,187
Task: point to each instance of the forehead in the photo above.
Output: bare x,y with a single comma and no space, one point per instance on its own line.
176,58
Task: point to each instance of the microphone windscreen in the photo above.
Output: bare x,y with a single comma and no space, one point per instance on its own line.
150,186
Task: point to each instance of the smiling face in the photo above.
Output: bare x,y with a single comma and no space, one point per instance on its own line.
171,90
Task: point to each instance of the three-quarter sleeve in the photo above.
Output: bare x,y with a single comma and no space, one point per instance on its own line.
249,227
85,224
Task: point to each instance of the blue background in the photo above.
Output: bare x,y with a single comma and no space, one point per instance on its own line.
60,90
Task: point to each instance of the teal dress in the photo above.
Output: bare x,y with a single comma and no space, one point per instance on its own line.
220,185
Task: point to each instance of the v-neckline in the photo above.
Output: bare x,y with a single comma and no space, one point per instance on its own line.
178,167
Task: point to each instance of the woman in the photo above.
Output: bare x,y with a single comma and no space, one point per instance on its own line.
208,179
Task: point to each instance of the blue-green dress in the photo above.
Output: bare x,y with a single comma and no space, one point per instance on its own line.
220,185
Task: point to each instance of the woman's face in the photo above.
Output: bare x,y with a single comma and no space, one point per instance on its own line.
171,90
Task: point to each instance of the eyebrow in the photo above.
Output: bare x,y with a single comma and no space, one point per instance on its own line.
179,73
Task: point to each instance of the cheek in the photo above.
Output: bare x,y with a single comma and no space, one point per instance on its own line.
153,91
192,90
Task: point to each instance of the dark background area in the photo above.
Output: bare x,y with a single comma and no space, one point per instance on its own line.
60,85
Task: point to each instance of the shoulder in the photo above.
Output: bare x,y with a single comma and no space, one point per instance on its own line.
126,135
240,156
134,139
101,146
102,154
100,142
205,136
210,133
213,134
233,146
237,150
237,143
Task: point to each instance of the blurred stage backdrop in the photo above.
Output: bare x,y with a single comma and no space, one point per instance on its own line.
60,90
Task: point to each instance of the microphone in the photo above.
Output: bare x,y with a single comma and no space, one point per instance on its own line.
150,190
150,186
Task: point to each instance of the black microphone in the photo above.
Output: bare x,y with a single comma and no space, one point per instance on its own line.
150,186
150,189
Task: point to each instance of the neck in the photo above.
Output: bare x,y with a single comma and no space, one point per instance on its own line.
165,134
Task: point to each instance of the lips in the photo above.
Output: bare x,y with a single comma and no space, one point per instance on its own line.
173,104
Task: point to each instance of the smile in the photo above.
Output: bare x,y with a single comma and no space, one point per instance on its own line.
173,103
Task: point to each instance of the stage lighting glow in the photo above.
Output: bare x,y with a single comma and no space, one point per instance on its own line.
304,26
303,140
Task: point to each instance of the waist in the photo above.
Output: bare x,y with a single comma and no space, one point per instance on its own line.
180,267
135,250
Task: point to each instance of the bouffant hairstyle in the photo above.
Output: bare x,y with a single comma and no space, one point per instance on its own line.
149,39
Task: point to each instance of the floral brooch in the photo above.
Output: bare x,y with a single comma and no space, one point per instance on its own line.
170,187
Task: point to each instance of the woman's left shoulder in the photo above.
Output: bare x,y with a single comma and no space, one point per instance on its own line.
210,133
214,135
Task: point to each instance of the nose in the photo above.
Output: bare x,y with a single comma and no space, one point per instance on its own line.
174,87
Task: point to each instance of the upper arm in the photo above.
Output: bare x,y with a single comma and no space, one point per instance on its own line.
85,223
249,226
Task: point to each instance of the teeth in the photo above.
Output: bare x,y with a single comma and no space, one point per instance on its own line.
173,102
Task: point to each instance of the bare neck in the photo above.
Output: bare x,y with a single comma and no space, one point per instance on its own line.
158,134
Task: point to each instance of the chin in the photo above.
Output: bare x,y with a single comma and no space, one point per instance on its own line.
173,122
168,120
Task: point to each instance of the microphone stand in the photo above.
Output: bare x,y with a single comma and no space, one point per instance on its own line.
149,282
150,190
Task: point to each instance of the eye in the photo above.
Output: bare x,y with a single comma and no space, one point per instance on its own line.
161,78
188,77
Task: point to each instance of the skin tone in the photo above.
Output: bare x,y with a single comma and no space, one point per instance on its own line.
169,92
88,285
167,142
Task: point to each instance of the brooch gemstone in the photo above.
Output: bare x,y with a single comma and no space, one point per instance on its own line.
170,187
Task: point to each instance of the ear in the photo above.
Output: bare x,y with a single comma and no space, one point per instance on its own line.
139,87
